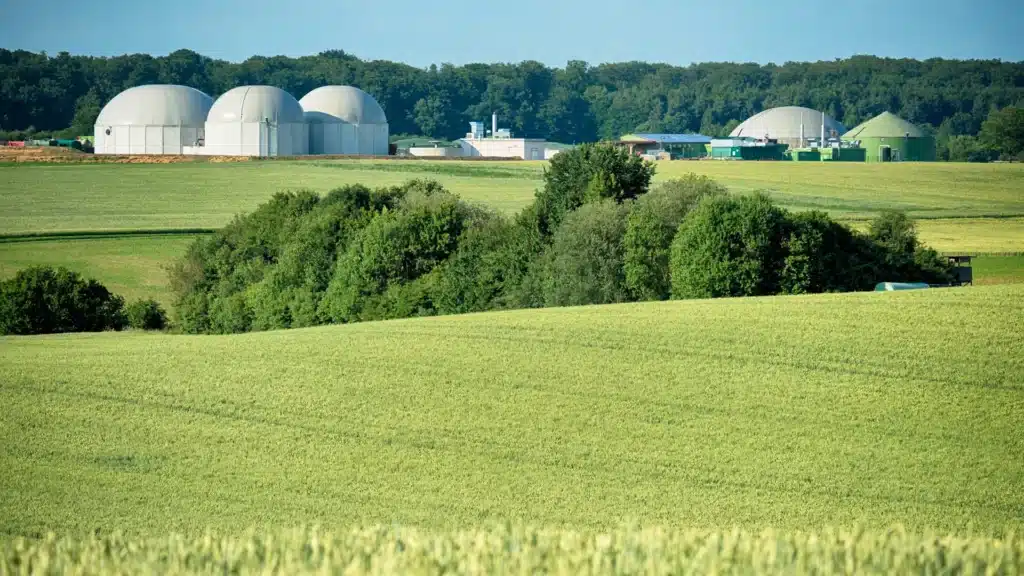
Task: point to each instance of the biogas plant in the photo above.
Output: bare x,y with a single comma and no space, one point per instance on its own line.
244,121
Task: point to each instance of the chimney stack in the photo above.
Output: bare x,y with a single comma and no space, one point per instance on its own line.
494,125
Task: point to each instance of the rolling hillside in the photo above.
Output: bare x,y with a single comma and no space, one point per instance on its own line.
789,412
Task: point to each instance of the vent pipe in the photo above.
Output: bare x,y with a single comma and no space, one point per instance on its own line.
494,125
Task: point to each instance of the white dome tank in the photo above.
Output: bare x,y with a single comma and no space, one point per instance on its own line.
152,119
791,125
256,121
345,120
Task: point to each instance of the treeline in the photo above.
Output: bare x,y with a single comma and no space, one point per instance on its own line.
578,103
595,234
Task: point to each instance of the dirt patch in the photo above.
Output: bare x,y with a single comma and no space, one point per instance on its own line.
65,156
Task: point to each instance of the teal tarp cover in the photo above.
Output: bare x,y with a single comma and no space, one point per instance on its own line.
887,286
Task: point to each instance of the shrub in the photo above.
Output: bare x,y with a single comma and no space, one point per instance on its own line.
396,248
589,173
825,256
146,315
653,223
729,246
899,254
585,261
45,300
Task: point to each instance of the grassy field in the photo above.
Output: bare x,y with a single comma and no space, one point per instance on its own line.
784,412
953,198
132,266
998,269
523,550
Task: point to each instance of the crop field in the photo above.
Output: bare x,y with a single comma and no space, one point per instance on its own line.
516,549
790,413
132,266
959,200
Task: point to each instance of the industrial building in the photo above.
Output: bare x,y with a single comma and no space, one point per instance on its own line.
244,121
496,143
742,148
500,144
153,119
345,120
670,146
889,138
256,121
795,126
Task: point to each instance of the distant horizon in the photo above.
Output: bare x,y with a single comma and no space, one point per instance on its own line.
678,33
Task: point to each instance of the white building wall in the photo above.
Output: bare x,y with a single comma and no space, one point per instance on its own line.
126,140
256,139
505,148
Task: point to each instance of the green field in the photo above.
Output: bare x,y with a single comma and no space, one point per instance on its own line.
132,266
523,550
958,200
784,412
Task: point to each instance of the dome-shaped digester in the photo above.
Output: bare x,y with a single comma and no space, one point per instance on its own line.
256,121
792,125
345,120
889,138
152,119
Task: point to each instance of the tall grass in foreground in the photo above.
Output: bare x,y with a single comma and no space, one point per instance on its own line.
522,550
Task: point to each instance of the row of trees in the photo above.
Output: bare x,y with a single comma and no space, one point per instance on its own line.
577,103
593,235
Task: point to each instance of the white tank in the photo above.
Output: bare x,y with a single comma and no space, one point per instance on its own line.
152,119
792,125
256,121
345,120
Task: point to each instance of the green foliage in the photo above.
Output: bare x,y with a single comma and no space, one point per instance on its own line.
518,549
745,246
486,267
146,315
1003,132
584,264
653,222
45,300
589,173
966,149
396,248
729,246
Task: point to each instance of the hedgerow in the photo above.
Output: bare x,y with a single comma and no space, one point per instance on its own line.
594,235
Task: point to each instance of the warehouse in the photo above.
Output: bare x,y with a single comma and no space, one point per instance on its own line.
256,121
672,146
345,120
152,119
889,138
792,125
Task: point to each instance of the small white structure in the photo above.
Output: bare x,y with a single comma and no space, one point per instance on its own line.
256,121
152,119
345,120
500,144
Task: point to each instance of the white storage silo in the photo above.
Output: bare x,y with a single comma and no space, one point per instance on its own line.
152,119
256,121
345,120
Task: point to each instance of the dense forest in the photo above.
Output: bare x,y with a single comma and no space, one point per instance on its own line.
576,103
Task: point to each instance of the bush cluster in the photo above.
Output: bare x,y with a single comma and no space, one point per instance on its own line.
594,235
47,300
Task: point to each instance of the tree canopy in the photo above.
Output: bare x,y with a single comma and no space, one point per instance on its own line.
577,103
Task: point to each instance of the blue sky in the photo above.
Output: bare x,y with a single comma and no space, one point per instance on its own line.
421,32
